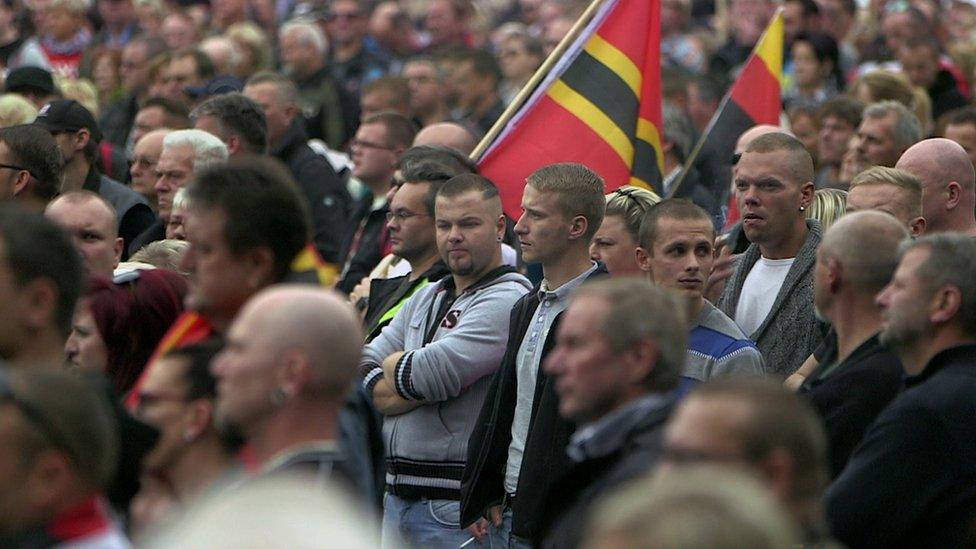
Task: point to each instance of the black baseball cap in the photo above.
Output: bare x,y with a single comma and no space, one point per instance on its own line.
30,77
68,115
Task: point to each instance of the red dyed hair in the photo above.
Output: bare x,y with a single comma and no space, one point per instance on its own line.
132,317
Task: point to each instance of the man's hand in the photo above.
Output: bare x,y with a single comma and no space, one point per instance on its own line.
385,398
721,271
480,528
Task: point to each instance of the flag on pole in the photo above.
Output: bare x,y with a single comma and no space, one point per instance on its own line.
754,98
599,105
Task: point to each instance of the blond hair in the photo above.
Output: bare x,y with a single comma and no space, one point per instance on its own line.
81,90
631,203
828,206
908,182
14,110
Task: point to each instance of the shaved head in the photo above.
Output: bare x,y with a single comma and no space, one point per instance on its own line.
447,134
754,132
312,321
948,183
848,238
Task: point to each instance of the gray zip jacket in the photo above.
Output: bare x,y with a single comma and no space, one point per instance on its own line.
451,350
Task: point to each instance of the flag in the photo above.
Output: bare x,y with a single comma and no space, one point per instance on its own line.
754,98
599,105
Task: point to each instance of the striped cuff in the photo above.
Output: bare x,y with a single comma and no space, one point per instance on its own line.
402,381
371,379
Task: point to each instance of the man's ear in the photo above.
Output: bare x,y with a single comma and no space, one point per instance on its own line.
806,194
82,137
953,195
23,179
40,302
945,304
261,266
578,226
917,226
643,260
119,243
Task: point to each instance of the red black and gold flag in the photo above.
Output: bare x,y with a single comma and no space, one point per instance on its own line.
755,98
600,105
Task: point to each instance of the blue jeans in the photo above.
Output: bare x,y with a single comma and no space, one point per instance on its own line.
500,537
423,523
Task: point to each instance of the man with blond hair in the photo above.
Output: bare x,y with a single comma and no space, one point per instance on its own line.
889,190
517,450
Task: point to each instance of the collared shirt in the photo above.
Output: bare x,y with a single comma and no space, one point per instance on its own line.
528,360
605,435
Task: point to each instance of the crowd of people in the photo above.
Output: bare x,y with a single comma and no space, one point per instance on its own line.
254,290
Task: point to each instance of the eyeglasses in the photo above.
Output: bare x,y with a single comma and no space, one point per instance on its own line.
402,215
33,414
368,145
144,162
735,158
16,168
147,399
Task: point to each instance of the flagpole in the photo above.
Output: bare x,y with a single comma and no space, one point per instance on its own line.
690,159
540,74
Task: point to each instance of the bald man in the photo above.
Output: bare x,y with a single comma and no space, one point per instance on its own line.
850,389
447,134
948,184
91,222
290,358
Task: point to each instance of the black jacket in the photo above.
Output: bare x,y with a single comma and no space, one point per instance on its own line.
544,459
850,395
945,94
327,196
134,213
156,231
912,480
372,245
387,293
571,499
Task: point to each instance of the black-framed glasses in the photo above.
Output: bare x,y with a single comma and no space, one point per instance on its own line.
33,414
402,215
735,158
16,168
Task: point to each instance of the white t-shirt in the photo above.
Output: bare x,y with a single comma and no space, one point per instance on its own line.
759,292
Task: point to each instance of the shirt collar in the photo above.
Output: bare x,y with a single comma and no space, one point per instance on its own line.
607,434
563,291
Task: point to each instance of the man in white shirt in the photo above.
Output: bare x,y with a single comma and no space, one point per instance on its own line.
770,294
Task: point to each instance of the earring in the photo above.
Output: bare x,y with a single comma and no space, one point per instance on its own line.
802,208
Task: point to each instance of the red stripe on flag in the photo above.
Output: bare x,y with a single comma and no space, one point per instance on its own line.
620,30
547,135
757,92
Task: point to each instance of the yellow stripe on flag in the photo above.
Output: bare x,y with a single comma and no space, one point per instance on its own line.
770,48
646,131
615,60
638,182
593,117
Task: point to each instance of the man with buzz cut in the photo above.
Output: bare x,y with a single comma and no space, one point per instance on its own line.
429,369
517,451
677,253
770,293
